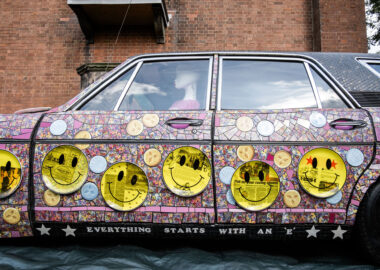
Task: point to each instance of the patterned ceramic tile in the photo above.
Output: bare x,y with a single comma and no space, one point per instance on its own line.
19,199
161,205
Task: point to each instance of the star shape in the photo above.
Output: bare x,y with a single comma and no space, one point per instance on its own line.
333,164
338,233
43,230
312,232
69,231
309,160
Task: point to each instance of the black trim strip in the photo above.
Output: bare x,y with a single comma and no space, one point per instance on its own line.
31,178
195,231
290,143
123,141
15,141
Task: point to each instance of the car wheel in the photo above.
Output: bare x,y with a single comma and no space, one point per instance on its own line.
368,223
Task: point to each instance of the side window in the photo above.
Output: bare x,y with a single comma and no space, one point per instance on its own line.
264,84
169,85
329,99
107,98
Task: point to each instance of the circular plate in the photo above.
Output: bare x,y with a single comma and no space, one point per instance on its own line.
64,169
10,173
58,127
282,159
245,152
186,171
265,128
150,120
317,119
134,127
98,164
336,198
322,172
11,216
244,123
292,198
89,191
255,185
225,174
51,198
152,157
354,157
124,186
230,197
82,135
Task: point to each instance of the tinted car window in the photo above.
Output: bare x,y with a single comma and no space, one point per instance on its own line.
107,98
329,99
256,84
169,85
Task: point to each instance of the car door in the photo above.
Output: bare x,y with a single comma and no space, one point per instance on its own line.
289,149
131,157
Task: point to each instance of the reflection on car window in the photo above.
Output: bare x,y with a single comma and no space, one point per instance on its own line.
375,66
254,84
329,99
107,98
169,85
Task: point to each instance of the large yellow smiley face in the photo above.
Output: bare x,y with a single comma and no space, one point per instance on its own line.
255,185
186,171
124,186
322,172
64,169
10,173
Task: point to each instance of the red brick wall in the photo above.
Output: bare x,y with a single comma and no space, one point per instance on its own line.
41,43
343,26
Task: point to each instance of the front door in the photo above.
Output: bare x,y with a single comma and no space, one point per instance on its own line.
133,153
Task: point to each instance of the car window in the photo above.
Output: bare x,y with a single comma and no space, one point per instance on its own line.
107,98
264,84
375,66
169,85
329,99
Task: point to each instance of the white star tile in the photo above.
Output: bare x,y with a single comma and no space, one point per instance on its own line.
312,232
43,230
69,231
338,233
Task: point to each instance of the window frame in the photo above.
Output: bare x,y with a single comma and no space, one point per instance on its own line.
307,64
137,65
366,63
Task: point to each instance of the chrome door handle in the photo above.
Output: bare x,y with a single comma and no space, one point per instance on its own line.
347,124
184,122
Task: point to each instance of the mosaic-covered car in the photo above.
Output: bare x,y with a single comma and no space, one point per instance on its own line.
253,145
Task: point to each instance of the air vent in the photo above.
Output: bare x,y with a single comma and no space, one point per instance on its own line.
367,99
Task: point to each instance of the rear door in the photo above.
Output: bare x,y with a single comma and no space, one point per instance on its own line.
289,148
135,152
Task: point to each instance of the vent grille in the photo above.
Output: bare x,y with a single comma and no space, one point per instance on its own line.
367,99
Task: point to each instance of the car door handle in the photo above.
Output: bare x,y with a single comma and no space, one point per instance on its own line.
181,123
347,124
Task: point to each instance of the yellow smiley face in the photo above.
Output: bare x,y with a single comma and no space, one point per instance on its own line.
322,172
186,171
64,169
124,186
10,173
255,185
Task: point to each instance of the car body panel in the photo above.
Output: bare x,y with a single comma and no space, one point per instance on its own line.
293,133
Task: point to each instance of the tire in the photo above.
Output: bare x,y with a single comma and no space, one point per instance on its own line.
368,223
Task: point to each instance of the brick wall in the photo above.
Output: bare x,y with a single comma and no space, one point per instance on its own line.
343,26
41,43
